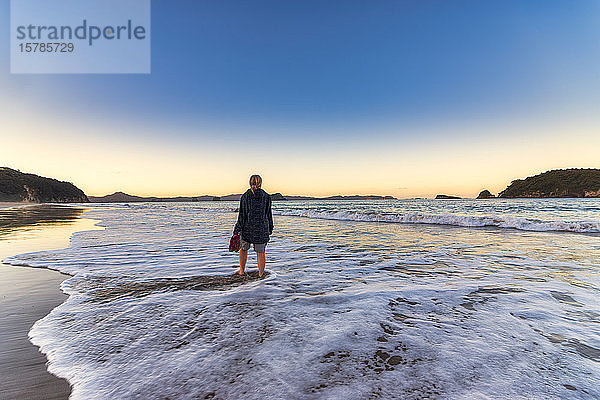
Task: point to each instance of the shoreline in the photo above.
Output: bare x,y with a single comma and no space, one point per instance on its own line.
33,294
10,204
28,294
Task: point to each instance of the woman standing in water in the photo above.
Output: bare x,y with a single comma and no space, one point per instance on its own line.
254,224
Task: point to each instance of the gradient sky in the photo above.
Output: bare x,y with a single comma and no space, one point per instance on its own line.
408,98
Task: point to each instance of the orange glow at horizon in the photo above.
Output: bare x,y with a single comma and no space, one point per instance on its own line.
104,163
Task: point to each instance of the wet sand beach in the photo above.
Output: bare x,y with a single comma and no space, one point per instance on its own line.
29,294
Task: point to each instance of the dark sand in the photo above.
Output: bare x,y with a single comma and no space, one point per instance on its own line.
29,294
104,290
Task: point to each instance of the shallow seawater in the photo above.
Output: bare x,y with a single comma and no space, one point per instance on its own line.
400,299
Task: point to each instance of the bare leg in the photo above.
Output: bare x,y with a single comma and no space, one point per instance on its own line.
243,258
261,258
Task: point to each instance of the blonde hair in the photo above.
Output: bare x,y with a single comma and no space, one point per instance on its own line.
255,182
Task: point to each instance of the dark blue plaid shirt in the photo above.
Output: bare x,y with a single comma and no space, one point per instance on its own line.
255,220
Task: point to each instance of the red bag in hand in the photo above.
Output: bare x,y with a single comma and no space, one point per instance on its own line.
235,243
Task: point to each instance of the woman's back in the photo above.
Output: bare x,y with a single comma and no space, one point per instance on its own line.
255,222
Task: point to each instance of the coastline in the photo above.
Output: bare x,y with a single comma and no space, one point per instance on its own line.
8,204
29,294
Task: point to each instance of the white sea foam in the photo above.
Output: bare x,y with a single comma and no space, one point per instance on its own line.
351,311
524,224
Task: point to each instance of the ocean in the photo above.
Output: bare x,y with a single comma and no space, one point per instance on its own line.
405,299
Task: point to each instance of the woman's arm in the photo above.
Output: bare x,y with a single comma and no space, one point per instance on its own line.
242,216
270,215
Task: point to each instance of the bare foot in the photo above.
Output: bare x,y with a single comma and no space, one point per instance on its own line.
240,273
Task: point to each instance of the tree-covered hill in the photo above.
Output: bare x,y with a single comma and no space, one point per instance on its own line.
576,182
18,186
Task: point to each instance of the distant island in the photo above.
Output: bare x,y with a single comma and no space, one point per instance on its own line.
485,194
446,197
120,197
573,182
16,186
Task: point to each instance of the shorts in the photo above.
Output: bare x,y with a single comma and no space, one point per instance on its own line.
258,247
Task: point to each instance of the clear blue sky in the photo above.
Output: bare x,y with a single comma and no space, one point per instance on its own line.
299,73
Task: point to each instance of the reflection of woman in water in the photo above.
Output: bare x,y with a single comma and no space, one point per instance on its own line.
255,223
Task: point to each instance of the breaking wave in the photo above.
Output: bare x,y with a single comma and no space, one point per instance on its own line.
524,224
